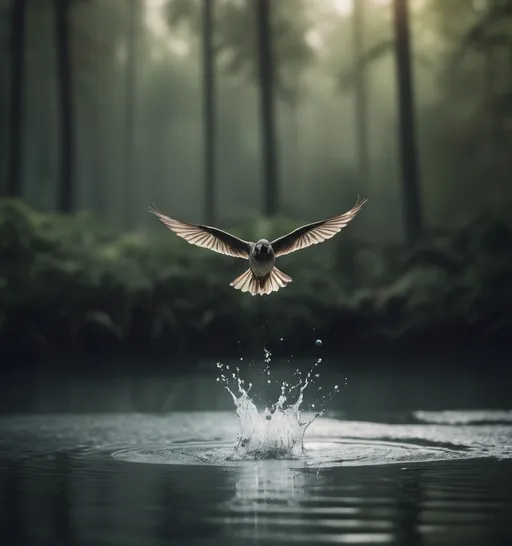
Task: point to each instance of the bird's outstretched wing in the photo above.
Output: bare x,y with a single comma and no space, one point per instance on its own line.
206,237
315,233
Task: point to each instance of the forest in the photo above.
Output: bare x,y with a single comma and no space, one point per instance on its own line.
254,116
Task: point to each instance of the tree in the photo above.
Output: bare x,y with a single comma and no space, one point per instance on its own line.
65,89
491,37
130,161
400,45
209,112
407,138
266,82
360,94
15,172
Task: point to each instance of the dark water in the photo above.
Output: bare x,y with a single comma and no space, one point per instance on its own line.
155,480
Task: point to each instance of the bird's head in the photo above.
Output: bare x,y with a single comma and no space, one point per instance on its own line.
262,247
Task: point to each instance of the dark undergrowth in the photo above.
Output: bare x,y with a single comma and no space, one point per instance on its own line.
69,285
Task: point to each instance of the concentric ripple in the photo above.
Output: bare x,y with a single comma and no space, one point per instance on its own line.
324,452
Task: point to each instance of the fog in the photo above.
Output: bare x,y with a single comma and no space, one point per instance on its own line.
460,82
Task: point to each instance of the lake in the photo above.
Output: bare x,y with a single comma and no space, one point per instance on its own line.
155,479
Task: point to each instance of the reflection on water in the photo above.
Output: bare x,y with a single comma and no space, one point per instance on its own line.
60,484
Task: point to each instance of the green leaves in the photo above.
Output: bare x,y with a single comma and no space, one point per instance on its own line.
62,276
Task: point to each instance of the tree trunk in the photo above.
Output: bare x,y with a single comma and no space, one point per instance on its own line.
96,195
296,171
209,113
409,161
361,103
510,68
65,89
266,80
15,173
130,153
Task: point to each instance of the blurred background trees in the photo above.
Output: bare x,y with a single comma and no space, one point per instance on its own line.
224,109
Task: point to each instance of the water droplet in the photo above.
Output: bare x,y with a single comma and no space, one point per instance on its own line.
287,437
318,342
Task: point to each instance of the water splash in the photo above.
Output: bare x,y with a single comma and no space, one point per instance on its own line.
278,431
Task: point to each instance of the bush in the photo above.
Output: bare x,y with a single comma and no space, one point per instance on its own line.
68,283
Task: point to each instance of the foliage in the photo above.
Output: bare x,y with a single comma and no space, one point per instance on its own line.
67,283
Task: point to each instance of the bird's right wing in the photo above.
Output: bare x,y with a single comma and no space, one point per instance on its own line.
206,237
315,233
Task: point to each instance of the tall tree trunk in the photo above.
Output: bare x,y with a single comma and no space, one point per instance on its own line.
296,171
409,160
361,102
17,68
65,89
130,153
510,68
96,196
268,132
209,113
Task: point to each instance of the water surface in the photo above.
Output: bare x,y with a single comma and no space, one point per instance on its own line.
155,480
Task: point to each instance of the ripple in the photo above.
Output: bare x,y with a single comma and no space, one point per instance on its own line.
327,452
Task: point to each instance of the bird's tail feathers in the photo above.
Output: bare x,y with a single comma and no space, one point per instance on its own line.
272,282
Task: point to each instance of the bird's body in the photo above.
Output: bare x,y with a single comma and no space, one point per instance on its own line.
262,258
262,277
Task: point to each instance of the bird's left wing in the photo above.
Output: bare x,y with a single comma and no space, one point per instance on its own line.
206,237
315,233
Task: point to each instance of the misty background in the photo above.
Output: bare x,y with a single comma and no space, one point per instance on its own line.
136,131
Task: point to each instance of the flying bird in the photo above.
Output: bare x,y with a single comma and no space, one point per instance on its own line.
262,277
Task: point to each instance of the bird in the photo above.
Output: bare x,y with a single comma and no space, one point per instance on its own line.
262,277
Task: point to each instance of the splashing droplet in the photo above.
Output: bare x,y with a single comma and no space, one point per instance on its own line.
268,356
277,432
